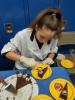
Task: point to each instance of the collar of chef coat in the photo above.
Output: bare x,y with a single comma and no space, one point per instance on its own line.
34,48
33,35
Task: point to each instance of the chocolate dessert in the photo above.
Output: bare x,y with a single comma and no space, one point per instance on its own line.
22,81
41,72
64,93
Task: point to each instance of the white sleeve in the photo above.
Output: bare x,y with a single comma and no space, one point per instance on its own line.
54,46
13,45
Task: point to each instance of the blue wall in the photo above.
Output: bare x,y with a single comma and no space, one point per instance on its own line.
11,11
67,8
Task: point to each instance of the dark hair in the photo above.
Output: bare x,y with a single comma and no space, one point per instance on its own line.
51,18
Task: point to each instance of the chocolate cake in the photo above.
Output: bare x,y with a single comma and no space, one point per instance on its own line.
41,72
64,93
22,81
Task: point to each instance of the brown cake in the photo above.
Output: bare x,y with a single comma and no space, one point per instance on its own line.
41,72
64,93
22,81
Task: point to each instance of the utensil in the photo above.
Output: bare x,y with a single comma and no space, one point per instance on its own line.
9,87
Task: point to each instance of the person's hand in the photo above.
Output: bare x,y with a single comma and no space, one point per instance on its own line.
28,62
48,61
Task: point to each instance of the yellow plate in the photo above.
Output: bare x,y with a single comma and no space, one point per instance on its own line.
47,73
42,97
74,92
67,63
55,93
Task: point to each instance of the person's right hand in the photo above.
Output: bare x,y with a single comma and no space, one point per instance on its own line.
48,61
28,62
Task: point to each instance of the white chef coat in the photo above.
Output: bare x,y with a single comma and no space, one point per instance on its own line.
23,45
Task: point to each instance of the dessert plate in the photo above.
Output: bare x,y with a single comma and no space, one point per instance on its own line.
42,97
59,86
41,71
67,63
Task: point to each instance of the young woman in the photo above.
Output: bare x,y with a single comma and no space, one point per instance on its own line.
38,43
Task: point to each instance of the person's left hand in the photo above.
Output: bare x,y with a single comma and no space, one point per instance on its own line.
48,61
